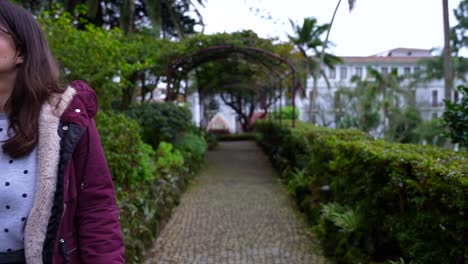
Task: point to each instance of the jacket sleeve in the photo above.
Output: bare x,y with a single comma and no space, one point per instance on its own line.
99,233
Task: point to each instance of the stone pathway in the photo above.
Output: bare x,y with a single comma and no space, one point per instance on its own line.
235,212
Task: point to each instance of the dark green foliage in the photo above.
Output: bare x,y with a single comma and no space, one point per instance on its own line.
285,112
171,18
373,201
193,146
432,132
456,118
160,121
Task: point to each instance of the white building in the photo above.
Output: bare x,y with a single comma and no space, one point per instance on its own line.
429,96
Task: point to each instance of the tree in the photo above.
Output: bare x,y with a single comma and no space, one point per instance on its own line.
317,72
460,31
438,67
456,118
307,39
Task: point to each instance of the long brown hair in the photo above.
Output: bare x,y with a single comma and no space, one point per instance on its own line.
37,78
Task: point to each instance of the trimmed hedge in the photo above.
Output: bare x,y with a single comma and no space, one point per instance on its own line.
237,137
373,201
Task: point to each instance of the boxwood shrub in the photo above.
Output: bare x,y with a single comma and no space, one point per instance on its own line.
160,121
374,201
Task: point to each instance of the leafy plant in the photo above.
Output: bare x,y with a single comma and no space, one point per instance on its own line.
285,112
169,159
130,160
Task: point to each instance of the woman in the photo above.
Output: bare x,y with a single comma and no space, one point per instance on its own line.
57,200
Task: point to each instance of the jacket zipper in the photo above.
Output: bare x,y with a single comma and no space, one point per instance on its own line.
62,244
63,250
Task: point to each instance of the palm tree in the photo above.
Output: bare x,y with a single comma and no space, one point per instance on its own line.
351,4
307,39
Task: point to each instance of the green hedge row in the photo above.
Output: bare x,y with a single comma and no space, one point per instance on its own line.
371,201
149,179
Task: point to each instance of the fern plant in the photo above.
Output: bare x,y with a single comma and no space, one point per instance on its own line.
346,219
298,182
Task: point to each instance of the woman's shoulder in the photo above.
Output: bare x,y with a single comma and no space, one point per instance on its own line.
77,104
85,96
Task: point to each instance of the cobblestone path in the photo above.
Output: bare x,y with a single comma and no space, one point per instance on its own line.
235,212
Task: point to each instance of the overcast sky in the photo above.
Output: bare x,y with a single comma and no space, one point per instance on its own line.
372,27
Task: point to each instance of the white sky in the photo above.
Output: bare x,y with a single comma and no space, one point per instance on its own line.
372,27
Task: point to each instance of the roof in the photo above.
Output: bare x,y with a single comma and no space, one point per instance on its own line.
393,56
377,59
407,49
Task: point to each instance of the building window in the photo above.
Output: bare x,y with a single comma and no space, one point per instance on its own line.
359,72
434,116
435,98
407,72
416,69
332,74
395,70
455,97
343,73
384,70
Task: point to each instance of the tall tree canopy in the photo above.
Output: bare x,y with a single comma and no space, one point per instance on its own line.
166,18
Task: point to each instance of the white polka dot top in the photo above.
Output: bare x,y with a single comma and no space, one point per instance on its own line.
17,189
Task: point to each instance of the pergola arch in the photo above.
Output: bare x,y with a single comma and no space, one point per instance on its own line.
181,66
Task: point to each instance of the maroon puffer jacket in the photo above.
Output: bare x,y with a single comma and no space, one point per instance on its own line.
74,218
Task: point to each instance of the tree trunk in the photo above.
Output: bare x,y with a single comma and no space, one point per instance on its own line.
175,20
129,92
448,68
313,100
95,12
155,14
127,16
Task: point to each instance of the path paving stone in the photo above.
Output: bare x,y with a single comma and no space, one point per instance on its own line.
236,212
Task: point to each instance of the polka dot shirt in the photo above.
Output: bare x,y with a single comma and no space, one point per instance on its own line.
17,185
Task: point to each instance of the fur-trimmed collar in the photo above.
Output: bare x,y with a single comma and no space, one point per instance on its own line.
47,171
